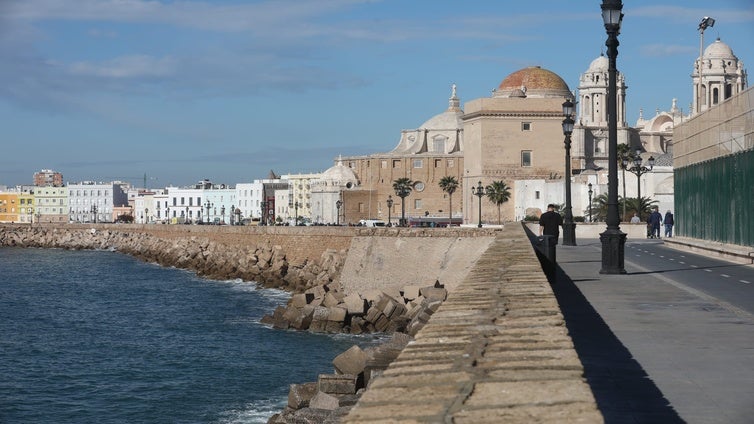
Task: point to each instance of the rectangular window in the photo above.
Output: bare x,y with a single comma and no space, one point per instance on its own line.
383,164
451,163
526,158
526,126
361,207
396,163
536,194
438,163
418,163
417,203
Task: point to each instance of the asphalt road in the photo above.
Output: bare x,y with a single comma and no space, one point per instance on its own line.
721,280
671,341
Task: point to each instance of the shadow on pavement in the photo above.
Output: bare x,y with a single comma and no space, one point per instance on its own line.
623,390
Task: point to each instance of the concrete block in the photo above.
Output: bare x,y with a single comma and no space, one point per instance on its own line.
434,293
299,395
324,401
351,361
298,300
330,300
337,313
320,313
334,327
355,304
337,384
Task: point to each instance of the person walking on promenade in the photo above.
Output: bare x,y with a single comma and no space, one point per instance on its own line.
549,223
668,221
655,219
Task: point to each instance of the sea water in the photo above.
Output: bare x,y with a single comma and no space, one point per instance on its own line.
100,337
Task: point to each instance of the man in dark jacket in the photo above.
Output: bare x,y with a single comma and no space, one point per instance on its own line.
655,219
668,221
549,223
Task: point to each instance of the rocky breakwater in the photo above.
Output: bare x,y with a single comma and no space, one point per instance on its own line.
262,262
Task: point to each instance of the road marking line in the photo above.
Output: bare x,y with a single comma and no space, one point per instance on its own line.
681,262
708,270
745,282
662,256
725,275
694,266
671,259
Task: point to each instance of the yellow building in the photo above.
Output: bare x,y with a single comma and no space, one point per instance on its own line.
9,207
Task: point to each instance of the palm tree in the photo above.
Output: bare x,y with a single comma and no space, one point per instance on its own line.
624,152
498,193
403,187
641,206
449,184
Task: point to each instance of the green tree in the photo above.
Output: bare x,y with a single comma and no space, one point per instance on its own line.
498,193
449,184
403,187
624,152
643,205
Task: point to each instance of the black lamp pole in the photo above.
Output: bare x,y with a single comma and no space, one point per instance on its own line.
296,208
590,201
613,239
389,210
569,227
638,169
338,204
479,192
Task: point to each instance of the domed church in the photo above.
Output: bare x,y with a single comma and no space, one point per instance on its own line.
515,136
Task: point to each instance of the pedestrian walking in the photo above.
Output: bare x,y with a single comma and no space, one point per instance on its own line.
654,221
668,221
549,223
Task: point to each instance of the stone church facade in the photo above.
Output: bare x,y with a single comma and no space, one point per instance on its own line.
515,136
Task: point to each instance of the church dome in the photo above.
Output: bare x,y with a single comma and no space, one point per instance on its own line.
599,65
533,81
718,50
339,174
448,120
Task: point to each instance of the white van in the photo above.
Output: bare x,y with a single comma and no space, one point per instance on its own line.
372,223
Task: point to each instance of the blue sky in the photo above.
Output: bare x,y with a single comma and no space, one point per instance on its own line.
229,89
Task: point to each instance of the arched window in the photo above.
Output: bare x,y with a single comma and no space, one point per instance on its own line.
715,96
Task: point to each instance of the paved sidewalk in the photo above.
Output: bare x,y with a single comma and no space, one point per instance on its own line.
654,352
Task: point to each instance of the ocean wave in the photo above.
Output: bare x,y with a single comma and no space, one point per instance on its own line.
255,412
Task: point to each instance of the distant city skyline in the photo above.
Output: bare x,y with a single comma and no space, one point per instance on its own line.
226,90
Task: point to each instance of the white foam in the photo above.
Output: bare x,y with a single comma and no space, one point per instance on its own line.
254,412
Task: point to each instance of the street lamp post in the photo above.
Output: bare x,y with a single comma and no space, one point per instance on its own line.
186,219
479,192
222,214
167,213
295,207
338,204
638,169
613,239
569,227
208,205
389,209
264,213
146,212
94,213
590,192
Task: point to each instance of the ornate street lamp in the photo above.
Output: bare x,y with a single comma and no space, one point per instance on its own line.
479,192
389,209
638,169
613,239
569,227
590,192
146,212
295,206
338,204
264,213
222,213
167,213
208,205
94,212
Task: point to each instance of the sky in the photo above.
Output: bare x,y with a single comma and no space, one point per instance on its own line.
228,90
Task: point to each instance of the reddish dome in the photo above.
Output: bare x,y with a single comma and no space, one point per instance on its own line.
534,82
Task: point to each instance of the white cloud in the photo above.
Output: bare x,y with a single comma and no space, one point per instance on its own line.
137,66
664,50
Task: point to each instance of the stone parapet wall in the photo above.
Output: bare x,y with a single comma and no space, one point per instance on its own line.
497,350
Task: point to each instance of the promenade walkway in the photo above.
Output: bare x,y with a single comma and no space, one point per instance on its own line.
653,350
496,351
